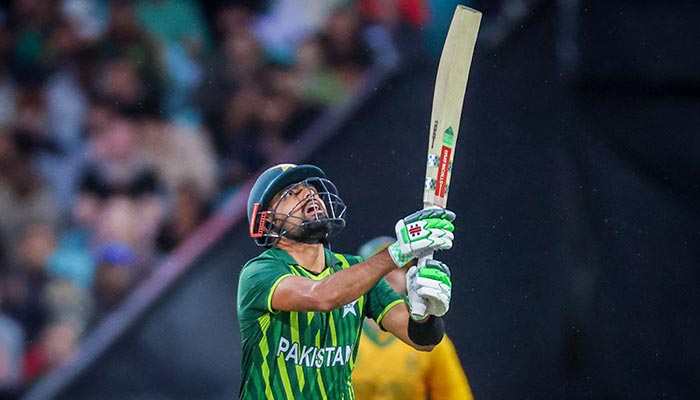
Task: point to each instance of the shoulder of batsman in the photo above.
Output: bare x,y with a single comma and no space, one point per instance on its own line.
263,259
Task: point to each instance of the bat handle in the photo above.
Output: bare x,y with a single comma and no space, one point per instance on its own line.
418,305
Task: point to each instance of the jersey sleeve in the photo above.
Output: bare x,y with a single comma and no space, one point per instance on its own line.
380,299
256,284
446,378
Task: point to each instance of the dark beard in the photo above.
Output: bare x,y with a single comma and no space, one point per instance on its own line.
310,232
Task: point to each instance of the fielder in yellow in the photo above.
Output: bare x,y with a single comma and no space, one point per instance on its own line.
387,369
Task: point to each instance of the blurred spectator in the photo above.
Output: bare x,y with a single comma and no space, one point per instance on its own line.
31,21
273,117
185,159
30,120
232,72
11,351
73,258
23,283
319,85
288,22
241,148
7,83
398,26
179,28
190,209
135,223
24,195
72,262
131,58
395,12
119,190
114,276
65,109
116,165
175,22
284,87
178,153
234,18
66,301
344,48
392,13
89,17
118,82
240,57
37,242
57,342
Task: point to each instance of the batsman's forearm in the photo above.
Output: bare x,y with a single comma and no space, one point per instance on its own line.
349,284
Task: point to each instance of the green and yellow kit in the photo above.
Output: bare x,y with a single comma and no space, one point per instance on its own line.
301,355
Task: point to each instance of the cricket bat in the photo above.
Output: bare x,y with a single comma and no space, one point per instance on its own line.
448,97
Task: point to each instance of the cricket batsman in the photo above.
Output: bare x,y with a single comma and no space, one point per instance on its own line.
301,305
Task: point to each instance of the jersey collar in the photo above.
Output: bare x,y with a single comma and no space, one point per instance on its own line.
331,260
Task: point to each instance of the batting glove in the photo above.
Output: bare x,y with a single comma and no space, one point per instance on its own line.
420,233
430,284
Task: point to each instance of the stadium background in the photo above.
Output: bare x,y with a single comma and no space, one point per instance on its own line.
576,188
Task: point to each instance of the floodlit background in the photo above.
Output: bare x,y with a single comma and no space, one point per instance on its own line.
130,132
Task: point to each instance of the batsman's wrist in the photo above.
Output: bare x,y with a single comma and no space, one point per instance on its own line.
428,332
399,258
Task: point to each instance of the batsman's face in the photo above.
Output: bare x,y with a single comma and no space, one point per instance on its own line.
301,201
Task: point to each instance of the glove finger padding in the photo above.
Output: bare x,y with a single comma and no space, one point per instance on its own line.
422,232
412,293
442,239
437,301
431,283
439,265
431,213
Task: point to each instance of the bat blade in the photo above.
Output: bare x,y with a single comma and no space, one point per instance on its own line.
448,98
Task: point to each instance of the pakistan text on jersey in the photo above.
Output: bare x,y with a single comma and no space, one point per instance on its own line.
313,356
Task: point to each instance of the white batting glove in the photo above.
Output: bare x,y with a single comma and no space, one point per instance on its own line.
432,285
420,233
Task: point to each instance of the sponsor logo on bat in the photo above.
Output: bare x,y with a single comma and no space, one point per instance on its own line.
442,171
434,135
449,138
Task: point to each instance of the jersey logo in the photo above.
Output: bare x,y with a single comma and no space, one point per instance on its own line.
350,308
285,167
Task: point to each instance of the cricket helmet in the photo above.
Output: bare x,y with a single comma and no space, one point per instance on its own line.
283,176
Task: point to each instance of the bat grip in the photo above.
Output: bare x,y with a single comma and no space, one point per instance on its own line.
418,306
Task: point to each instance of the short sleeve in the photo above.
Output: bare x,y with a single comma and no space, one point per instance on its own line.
257,282
380,298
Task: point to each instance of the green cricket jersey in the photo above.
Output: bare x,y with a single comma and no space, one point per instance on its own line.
301,355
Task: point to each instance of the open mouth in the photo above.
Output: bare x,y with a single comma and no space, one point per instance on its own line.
314,208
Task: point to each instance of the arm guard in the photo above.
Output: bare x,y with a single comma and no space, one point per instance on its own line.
428,333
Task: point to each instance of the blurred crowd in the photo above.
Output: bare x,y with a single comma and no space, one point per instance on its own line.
124,123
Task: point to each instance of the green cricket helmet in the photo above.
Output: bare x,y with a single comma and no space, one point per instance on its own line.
285,178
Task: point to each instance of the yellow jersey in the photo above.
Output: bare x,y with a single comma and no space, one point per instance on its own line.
388,369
